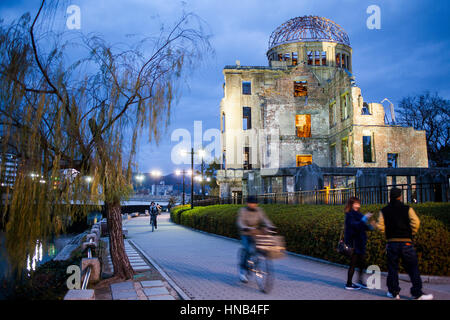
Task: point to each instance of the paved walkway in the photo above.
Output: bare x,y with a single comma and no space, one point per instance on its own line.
205,267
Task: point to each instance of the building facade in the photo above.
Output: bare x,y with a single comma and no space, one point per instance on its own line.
305,108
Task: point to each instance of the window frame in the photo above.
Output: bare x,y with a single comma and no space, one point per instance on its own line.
247,84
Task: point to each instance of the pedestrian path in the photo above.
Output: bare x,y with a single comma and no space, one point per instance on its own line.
140,290
204,266
137,262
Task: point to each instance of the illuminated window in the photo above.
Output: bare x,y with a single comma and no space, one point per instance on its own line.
303,160
338,60
247,164
294,58
303,125
246,87
300,88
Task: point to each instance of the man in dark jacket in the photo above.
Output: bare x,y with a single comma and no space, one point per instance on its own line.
400,223
153,213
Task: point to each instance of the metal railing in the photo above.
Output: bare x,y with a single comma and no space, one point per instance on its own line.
411,193
87,274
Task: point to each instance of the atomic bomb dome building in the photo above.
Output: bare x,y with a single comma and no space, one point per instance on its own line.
304,109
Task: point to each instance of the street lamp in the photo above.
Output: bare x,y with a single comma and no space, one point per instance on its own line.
201,153
182,172
139,178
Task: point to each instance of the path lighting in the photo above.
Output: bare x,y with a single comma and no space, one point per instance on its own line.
179,173
88,179
201,153
156,173
140,178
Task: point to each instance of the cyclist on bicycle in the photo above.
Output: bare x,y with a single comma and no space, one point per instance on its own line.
153,213
251,221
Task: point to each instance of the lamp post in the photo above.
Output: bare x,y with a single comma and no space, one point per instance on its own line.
182,172
201,154
155,174
88,180
139,179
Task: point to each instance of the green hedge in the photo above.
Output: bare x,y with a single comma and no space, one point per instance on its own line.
314,230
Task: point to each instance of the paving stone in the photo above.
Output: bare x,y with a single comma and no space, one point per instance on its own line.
122,286
157,291
163,297
125,295
138,265
154,283
141,268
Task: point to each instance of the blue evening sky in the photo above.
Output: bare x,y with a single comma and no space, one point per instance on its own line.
408,55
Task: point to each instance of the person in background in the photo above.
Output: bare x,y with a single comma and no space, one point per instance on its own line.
153,213
355,236
250,219
400,223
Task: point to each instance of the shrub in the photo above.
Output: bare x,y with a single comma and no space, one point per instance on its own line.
314,230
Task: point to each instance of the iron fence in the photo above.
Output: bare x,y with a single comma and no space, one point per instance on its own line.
411,193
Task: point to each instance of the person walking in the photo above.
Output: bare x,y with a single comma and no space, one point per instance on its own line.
250,219
153,214
355,236
400,223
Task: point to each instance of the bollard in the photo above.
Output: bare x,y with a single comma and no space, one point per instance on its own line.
94,263
92,245
93,236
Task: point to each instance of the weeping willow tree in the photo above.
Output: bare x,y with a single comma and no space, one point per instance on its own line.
67,119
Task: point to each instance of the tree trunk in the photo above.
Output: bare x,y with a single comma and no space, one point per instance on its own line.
122,266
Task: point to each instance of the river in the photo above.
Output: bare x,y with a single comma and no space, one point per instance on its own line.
44,251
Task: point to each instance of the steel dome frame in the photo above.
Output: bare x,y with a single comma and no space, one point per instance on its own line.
308,28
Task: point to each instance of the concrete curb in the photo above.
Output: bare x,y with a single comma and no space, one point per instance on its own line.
180,291
401,276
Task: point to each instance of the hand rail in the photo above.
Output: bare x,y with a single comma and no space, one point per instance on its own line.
88,269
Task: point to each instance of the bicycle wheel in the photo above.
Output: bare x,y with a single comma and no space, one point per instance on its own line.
263,273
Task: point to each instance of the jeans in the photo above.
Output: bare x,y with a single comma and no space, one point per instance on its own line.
248,243
405,251
153,218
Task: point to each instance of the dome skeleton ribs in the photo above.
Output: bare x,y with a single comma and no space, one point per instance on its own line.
308,28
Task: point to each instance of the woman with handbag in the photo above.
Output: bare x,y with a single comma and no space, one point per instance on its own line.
356,227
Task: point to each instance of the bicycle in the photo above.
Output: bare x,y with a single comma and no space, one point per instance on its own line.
259,263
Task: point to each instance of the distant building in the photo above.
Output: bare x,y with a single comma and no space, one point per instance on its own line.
8,169
162,189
